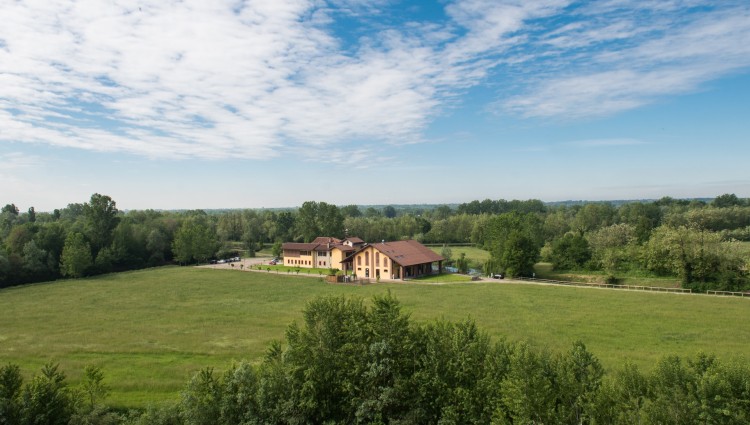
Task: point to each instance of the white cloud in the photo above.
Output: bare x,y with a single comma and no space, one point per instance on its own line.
225,79
257,78
640,65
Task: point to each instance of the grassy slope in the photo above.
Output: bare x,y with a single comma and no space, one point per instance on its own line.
150,330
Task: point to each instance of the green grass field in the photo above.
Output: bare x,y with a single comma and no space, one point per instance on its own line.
442,278
150,330
475,255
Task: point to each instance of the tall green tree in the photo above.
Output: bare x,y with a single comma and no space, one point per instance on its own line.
593,216
195,241
11,383
529,392
389,211
51,238
514,241
76,259
462,263
331,222
644,217
615,247
202,399
319,219
31,214
580,377
307,221
727,200
47,399
231,226
351,211
35,261
520,255
100,215
94,390
571,252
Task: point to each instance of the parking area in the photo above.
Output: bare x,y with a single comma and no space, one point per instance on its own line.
241,263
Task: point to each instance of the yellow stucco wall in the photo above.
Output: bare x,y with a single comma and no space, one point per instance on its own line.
333,260
379,264
306,261
337,256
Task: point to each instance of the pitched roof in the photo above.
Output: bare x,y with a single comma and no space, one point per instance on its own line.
321,243
407,253
325,239
354,240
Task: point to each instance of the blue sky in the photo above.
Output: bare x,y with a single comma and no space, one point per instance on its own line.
269,103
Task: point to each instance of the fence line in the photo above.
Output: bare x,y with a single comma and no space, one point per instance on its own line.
728,293
610,286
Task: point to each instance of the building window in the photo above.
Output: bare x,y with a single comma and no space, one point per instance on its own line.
359,260
385,262
377,259
322,253
367,258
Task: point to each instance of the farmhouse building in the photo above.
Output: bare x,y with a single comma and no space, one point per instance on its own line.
393,260
323,252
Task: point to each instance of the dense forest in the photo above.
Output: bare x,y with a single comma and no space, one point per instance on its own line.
700,242
350,362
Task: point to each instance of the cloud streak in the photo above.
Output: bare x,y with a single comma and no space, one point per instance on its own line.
624,65
261,78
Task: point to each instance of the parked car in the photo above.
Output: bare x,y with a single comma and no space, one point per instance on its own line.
498,276
272,262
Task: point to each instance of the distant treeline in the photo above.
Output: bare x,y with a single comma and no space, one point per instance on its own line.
693,239
351,363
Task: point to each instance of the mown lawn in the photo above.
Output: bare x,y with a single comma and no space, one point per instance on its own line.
442,278
150,330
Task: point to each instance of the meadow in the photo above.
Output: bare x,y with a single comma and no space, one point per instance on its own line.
150,330
476,256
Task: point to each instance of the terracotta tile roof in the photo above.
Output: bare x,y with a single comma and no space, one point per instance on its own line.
325,240
321,243
405,253
354,240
